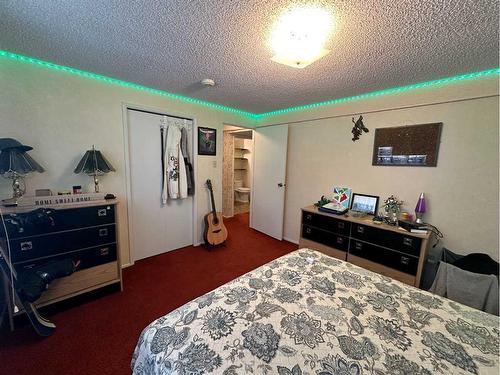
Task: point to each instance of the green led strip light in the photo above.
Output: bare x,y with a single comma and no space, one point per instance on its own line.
393,90
250,115
46,64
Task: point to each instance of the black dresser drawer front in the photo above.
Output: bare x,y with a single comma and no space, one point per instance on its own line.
325,238
328,223
400,242
35,222
386,257
56,243
88,258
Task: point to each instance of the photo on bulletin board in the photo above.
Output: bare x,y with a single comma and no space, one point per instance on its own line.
207,141
341,196
409,146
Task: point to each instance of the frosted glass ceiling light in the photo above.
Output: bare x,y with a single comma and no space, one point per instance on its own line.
299,36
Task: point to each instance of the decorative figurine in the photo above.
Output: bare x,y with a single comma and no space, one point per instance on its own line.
357,128
392,207
322,201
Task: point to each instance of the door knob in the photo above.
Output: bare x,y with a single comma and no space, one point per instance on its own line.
280,184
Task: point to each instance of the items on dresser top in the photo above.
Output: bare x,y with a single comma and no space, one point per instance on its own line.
62,199
333,208
379,247
83,233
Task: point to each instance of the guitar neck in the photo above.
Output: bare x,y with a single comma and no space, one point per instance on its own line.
214,211
213,201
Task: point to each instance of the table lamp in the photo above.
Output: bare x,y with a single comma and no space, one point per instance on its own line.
420,209
94,164
15,164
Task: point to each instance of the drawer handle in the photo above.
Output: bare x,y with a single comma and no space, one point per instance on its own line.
358,245
340,240
309,217
308,230
105,251
103,232
25,246
405,260
407,241
102,212
361,229
340,225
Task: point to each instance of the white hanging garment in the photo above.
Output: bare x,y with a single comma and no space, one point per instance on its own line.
176,169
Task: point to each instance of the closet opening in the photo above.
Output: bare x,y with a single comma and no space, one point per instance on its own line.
237,171
161,181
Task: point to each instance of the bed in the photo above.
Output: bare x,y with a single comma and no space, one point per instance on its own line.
307,313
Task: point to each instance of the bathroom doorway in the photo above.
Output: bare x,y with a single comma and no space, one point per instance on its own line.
237,170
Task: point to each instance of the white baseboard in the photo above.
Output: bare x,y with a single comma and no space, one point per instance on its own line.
127,265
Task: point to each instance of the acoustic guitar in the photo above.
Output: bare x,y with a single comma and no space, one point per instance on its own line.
215,231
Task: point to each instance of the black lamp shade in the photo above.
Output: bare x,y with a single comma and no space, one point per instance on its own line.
94,162
15,160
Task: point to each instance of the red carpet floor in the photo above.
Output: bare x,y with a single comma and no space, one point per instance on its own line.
99,337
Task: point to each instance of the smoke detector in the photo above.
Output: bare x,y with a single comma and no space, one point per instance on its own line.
207,82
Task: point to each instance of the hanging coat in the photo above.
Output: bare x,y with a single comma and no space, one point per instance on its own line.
176,169
189,166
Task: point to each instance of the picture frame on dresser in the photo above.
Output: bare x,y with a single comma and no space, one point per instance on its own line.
364,203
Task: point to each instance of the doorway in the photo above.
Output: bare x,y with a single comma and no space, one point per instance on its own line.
237,171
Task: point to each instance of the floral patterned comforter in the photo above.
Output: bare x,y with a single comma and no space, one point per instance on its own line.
307,313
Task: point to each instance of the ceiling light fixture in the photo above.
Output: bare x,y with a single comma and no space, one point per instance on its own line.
299,36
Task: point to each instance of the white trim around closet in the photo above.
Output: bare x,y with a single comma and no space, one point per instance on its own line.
128,182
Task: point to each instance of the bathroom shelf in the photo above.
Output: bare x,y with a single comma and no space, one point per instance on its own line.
240,169
241,158
240,148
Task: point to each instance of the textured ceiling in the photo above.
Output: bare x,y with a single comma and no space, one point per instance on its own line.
172,45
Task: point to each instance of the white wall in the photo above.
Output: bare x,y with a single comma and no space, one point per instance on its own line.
62,115
462,192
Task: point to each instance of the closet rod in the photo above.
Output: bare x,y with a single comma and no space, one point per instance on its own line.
159,114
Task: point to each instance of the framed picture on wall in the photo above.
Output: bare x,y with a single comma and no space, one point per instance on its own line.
207,141
409,146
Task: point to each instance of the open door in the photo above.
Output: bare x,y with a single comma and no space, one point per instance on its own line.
269,172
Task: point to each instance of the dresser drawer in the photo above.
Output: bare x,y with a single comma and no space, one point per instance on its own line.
328,223
402,262
63,242
50,220
388,238
327,238
88,258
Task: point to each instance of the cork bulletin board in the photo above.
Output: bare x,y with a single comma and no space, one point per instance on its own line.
409,146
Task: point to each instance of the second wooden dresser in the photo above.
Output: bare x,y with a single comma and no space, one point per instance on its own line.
378,247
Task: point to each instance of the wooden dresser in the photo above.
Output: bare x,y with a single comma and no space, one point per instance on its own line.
84,232
381,248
